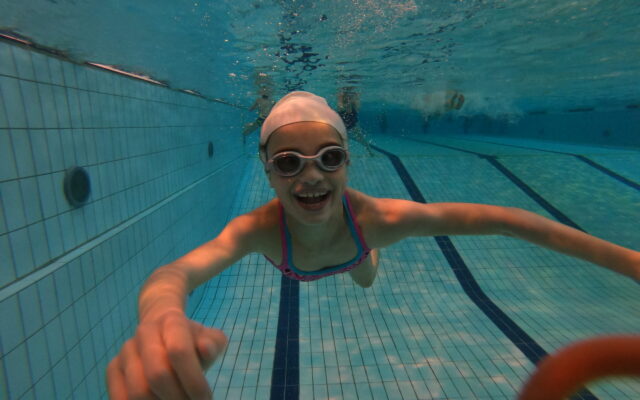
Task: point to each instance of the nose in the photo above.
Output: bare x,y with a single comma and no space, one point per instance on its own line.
311,173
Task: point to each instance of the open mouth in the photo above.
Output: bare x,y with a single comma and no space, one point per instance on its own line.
312,200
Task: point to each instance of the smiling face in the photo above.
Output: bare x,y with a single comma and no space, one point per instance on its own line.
313,196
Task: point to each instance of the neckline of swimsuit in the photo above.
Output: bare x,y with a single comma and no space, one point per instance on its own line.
287,255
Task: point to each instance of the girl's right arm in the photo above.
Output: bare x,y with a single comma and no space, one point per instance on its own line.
166,356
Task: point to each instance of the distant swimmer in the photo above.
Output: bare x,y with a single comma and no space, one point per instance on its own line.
455,101
263,103
348,104
436,104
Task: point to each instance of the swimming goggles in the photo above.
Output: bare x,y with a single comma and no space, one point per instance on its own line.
290,163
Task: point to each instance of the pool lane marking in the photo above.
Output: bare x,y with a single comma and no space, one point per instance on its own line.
608,172
527,345
493,160
586,160
285,378
557,214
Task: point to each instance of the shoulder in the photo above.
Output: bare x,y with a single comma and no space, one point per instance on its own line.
379,218
386,221
256,228
378,210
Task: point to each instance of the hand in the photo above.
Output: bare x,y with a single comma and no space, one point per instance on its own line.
165,360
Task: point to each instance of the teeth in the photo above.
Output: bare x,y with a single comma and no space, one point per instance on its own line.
311,194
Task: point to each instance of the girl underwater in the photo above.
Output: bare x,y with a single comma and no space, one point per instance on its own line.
315,227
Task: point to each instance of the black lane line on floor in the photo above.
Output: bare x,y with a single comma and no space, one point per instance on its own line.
557,214
580,157
532,350
608,172
285,379
493,160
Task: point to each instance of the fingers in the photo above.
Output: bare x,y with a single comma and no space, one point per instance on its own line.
165,361
131,368
157,367
210,343
180,346
116,387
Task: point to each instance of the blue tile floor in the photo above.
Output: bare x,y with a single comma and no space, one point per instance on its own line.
417,333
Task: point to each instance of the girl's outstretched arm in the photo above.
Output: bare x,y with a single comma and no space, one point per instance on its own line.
565,239
166,356
402,218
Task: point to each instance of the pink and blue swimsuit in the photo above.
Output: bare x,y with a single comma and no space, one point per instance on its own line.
290,271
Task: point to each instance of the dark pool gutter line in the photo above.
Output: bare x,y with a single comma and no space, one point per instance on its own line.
529,347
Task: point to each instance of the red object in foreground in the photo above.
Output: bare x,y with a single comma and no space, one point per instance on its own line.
563,373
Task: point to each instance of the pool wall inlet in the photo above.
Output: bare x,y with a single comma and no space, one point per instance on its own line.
70,275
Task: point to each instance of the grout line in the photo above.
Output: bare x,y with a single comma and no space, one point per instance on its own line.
493,160
527,345
34,277
629,182
17,40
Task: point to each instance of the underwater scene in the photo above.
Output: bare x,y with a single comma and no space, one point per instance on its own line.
315,199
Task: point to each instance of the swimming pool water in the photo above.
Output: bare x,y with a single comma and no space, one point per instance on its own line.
448,318
416,334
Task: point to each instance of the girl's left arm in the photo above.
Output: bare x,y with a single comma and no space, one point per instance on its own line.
565,239
403,218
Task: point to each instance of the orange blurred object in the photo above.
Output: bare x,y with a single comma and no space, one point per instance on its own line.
561,374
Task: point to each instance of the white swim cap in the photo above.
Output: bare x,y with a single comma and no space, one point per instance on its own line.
301,107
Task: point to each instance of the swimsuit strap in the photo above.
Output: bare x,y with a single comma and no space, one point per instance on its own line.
356,233
355,227
284,237
286,265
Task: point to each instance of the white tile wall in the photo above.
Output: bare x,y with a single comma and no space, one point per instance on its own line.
69,276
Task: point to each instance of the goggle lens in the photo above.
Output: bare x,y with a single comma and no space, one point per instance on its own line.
333,159
290,163
287,164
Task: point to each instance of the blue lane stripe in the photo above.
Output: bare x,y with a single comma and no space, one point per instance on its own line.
609,172
529,347
517,335
557,214
493,160
408,181
582,158
513,145
285,379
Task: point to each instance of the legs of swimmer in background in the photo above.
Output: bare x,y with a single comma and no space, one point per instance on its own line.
263,103
250,127
358,135
365,273
348,105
